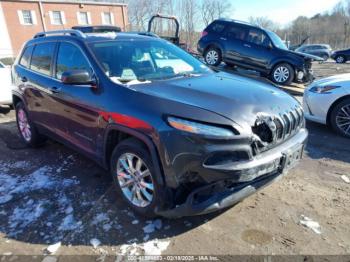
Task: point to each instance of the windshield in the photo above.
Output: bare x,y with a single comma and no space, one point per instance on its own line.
277,41
145,60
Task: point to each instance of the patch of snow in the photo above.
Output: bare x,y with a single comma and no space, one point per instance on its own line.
135,222
107,227
345,178
95,242
153,247
309,223
69,210
22,216
100,218
68,223
146,237
53,248
152,226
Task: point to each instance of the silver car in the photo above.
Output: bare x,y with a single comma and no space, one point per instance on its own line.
5,85
327,101
320,50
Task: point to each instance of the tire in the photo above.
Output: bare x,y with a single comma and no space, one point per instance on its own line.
282,74
213,56
340,59
340,118
26,128
325,57
135,150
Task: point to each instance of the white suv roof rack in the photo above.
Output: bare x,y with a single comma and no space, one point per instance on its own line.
71,32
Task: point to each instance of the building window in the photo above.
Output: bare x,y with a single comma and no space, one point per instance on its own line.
107,18
57,17
84,18
27,17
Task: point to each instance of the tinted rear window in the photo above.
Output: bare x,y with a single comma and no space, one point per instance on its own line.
217,27
26,56
236,32
42,57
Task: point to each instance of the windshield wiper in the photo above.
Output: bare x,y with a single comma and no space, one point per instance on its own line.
185,74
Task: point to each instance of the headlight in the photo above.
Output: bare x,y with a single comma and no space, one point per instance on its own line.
323,89
200,129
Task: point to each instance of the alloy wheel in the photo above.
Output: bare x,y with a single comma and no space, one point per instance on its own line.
212,57
340,59
24,125
343,119
135,180
281,74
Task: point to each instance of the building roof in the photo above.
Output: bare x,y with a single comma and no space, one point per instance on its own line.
85,2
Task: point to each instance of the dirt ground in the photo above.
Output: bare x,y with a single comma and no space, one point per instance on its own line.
54,195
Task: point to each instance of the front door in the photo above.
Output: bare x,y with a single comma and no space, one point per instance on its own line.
257,49
76,103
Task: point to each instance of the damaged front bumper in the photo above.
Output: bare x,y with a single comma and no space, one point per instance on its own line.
255,174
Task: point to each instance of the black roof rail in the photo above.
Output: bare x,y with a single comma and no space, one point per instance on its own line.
236,21
61,32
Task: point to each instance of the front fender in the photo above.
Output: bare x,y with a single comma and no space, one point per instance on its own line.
145,139
296,63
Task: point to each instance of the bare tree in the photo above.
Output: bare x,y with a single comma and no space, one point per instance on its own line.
263,22
213,9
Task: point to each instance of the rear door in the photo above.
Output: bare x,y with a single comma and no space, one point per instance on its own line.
35,78
234,43
76,104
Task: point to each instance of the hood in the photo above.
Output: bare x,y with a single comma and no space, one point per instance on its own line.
333,80
234,97
307,56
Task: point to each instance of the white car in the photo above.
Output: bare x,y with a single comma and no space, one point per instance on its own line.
5,85
327,101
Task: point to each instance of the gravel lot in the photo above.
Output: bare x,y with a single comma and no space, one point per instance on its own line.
52,194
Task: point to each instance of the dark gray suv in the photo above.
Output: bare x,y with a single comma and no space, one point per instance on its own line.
178,138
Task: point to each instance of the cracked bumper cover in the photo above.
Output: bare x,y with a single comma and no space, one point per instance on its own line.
267,167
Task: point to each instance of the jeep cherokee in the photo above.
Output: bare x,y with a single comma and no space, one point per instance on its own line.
178,138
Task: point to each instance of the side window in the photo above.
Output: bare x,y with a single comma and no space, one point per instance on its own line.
70,58
24,61
217,27
42,57
258,37
236,32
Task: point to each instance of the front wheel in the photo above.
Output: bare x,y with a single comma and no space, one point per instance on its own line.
282,74
340,118
213,56
135,178
340,59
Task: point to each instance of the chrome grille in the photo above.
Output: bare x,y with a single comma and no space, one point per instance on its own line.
272,130
288,123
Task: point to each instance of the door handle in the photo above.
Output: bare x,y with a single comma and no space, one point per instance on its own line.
24,79
223,38
246,45
55,89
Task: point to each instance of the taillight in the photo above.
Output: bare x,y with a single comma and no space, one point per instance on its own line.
204,33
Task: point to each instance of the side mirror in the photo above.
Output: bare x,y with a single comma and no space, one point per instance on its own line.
78,77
